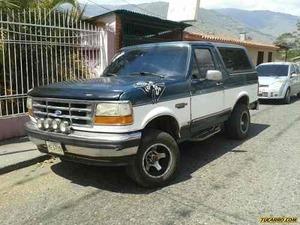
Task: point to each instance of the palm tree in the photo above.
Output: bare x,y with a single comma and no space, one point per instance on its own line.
11,4
32,4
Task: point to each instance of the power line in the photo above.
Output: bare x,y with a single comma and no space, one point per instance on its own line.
134,5
138,7
95,3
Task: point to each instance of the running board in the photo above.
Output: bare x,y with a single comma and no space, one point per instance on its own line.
207,134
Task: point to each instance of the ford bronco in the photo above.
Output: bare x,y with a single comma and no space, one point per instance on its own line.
148,100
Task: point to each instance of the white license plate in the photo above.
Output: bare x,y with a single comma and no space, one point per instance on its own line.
55,148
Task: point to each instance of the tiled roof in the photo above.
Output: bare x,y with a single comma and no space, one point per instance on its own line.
203,37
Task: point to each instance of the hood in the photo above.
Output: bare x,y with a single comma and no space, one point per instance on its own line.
270,80
103,88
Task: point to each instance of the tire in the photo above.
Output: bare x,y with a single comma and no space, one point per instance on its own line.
287,98
237,127
156,147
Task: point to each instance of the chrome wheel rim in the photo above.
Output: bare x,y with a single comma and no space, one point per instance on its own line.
157,160
244,122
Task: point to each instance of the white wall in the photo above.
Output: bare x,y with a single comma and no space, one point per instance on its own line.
253,52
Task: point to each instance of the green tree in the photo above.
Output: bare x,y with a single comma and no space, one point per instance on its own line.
48,4
290,42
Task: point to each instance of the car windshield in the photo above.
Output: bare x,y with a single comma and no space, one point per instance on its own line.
155,61
273,70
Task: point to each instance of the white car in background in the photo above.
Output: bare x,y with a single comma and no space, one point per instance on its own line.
278,80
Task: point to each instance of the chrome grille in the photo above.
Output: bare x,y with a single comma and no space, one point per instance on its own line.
78,113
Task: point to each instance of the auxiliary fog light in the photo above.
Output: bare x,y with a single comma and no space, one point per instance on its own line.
64,127
47,123
40,123
55,124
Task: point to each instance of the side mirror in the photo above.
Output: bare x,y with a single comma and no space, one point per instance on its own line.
214,75
293,75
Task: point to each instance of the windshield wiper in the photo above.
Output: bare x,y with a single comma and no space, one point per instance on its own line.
145,73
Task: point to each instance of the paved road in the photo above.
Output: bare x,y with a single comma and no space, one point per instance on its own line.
221,182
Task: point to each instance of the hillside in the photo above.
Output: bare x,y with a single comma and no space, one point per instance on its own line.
268,22
263,26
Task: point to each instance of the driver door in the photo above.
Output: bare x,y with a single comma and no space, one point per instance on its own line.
207,97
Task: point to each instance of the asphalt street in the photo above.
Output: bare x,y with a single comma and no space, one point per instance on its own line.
221,182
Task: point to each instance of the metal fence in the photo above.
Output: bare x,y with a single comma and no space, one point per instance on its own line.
39,47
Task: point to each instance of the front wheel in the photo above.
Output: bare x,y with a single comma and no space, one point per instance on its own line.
237,127
287,98
157,160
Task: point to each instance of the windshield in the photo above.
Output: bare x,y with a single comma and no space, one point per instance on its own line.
273,70
164,61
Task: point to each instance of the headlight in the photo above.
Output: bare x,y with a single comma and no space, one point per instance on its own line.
114,114
29,105
40,123
48,123
64,127
55,124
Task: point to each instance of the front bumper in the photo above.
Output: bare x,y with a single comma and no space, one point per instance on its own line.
269,93
88,147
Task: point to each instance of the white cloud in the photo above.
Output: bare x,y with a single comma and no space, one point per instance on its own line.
285,6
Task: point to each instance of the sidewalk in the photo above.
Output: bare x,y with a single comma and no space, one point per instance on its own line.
17,154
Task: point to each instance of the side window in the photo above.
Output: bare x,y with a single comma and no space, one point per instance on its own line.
293,69
235,59
298,70
205,62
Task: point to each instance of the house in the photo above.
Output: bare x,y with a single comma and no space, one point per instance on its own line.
127,28
259,52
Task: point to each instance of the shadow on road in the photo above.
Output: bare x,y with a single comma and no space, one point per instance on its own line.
194,155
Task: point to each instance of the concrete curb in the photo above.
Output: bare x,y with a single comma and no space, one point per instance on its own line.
23,164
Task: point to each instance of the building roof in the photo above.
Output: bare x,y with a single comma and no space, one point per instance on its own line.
203,37
138,16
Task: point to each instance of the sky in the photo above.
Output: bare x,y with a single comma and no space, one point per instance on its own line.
285,6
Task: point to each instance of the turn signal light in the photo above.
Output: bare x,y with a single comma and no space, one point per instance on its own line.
114,120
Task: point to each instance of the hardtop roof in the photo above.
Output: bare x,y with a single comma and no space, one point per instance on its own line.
186,43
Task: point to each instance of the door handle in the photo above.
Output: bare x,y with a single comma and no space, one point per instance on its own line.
219,83
181,105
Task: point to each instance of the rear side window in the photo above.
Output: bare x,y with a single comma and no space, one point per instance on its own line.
235,59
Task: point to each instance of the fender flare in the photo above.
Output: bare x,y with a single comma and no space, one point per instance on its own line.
156,113
243,94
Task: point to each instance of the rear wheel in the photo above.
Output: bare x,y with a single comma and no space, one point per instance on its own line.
157,160
287,98
237,127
